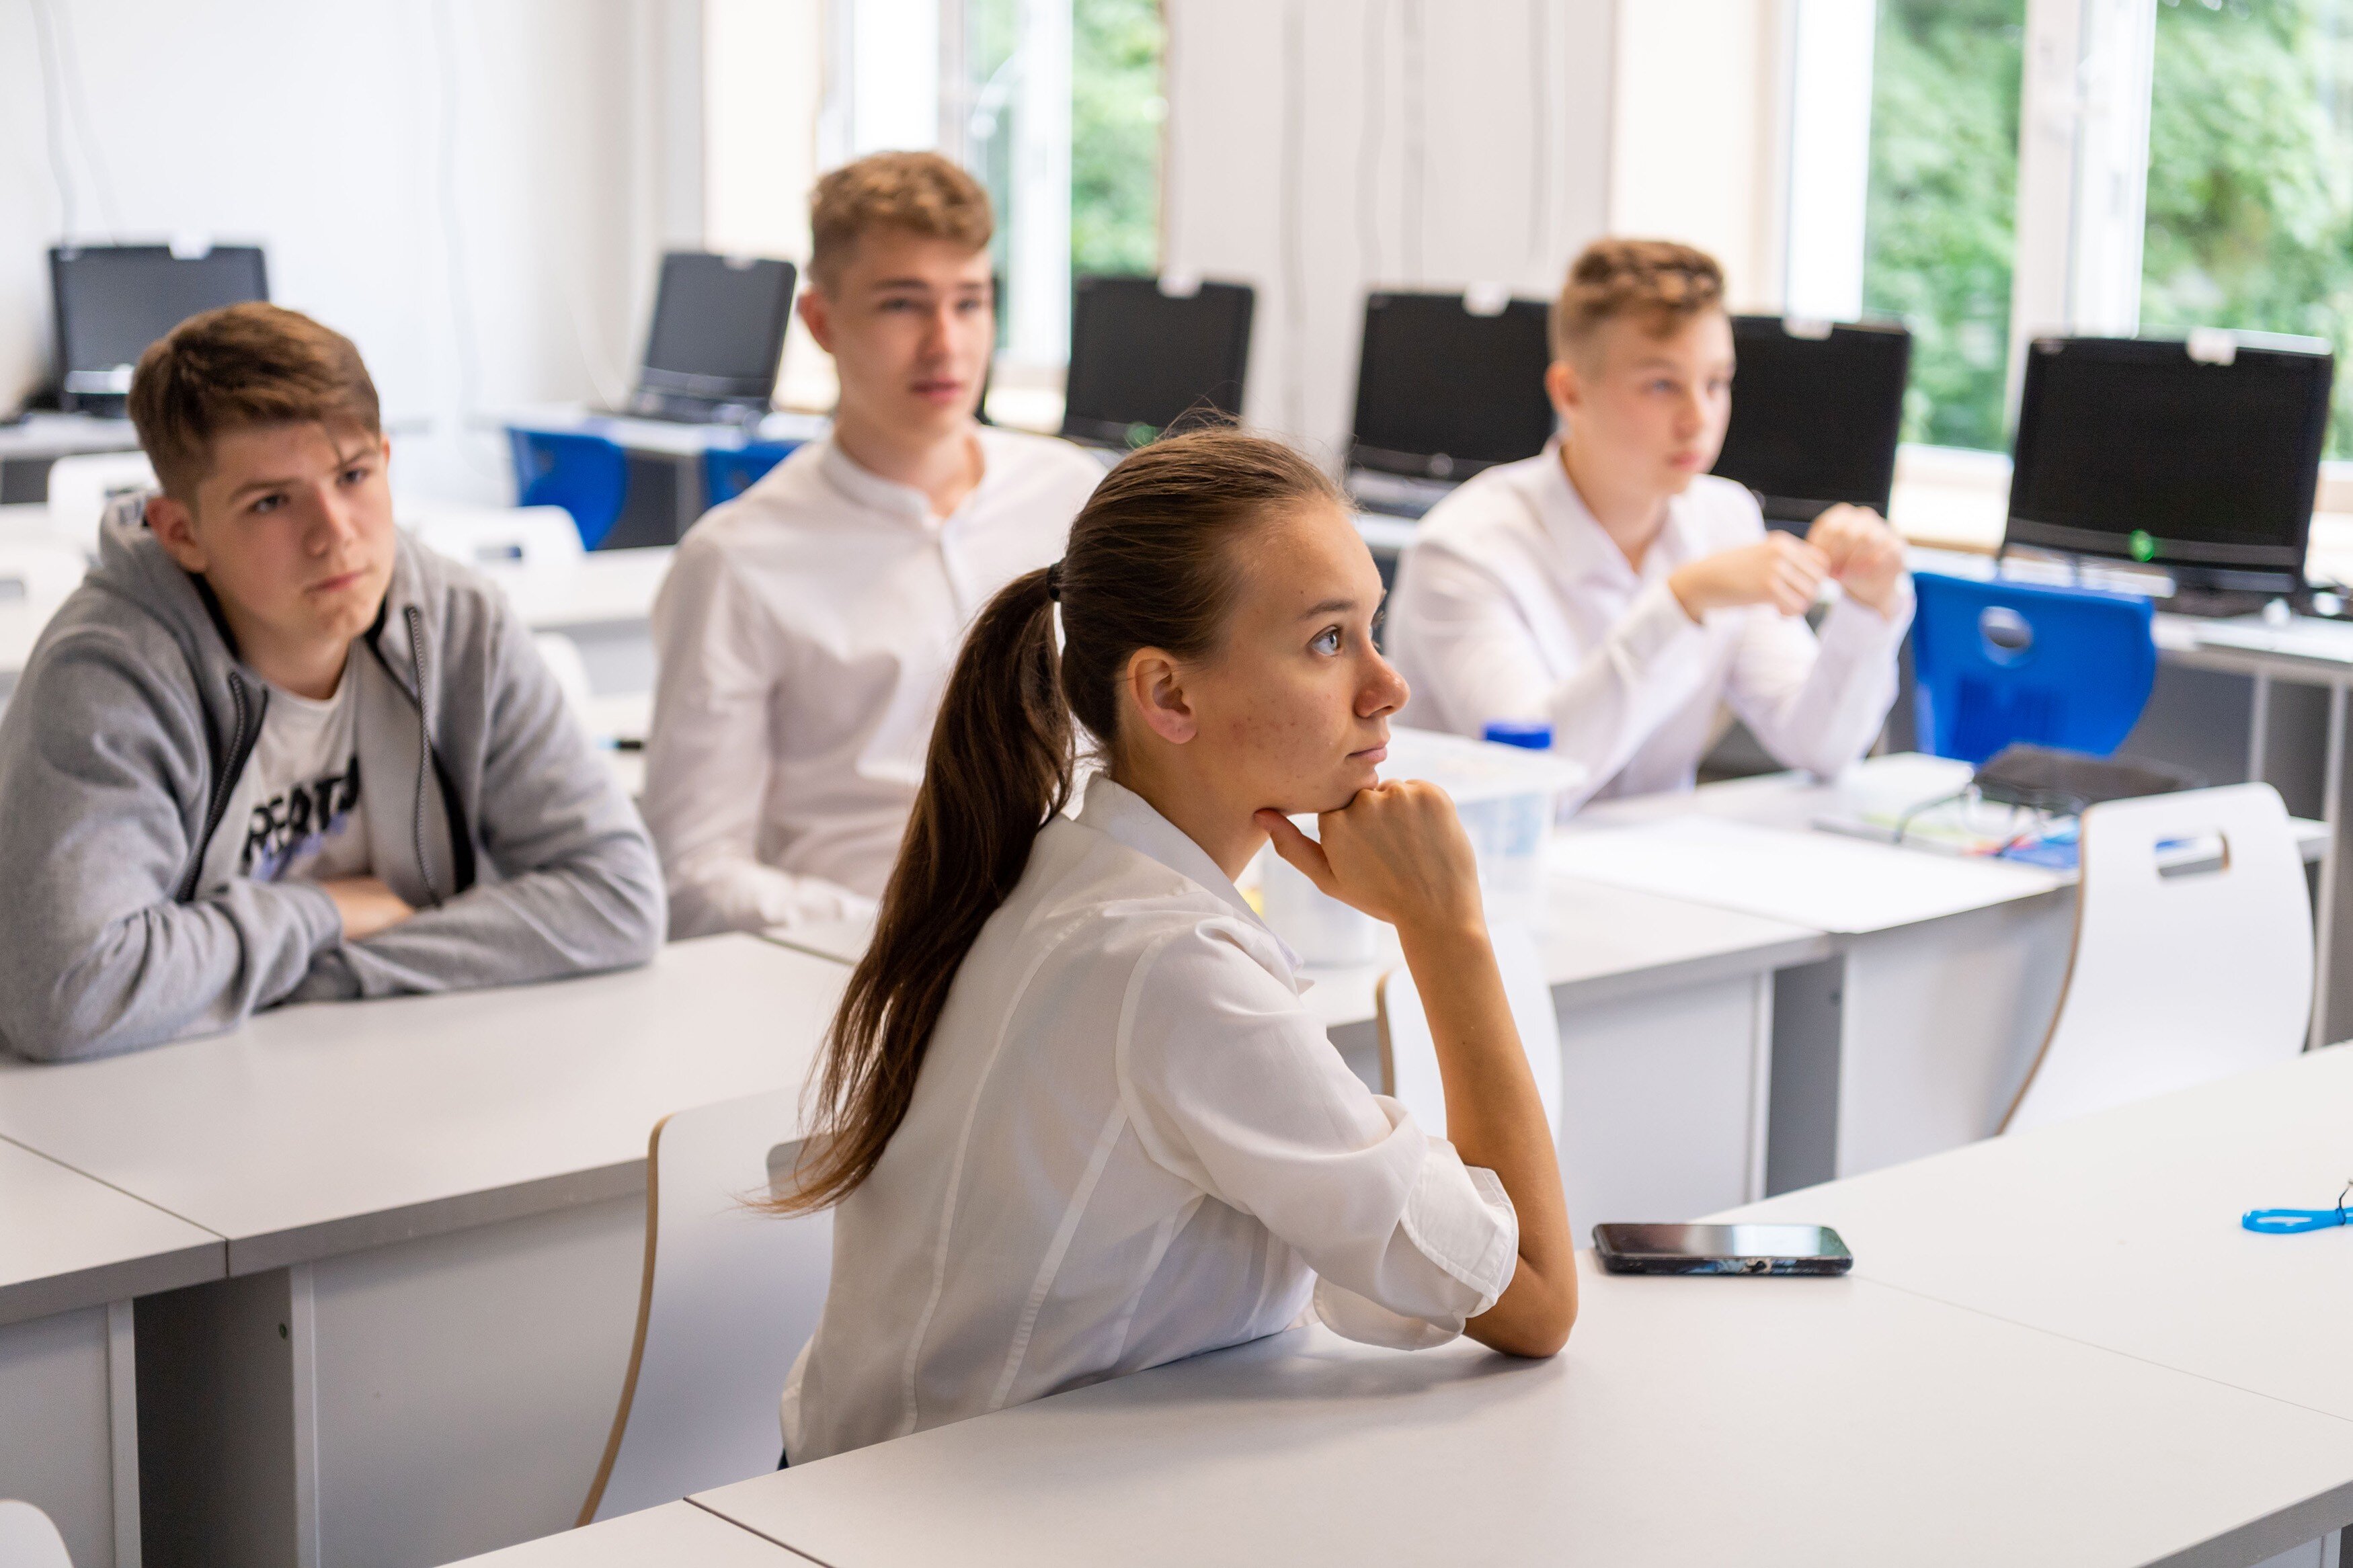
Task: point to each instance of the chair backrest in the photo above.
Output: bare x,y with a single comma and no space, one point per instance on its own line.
586,475
2177,978
729,471
1997,662
81,486
729,1297
1409,1058
28,1539
503,542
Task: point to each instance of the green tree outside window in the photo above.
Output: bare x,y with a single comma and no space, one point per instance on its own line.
2251,176
1938,231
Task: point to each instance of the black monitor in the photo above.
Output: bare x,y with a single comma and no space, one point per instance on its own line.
717,338
1816,410
2198,456
112,300
1443,391
1142,359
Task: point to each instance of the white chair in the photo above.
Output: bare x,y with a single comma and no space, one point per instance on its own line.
28,1539
81,487
1409,1058
2176,979
38,573
505,542
731,1295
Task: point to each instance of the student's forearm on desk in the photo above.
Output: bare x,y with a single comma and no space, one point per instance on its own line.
1495,1118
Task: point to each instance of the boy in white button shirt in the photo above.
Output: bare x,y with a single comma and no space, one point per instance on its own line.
806,629
1613,588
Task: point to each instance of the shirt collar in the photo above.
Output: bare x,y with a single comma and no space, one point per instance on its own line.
869,489
1126,816
1579,534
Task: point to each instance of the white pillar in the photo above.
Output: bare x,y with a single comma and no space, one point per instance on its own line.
1830,156
1038,330
894,75
2082,170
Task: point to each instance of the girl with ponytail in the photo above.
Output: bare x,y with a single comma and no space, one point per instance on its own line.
1073,1116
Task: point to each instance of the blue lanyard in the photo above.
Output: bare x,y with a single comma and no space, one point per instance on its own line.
2292,1221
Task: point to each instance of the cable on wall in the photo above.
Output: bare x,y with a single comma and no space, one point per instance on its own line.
1290,236
1369,142
1540,123
453,233
53,120
77,100
1416,61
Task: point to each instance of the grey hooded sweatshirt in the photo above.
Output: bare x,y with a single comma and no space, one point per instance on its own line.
122,747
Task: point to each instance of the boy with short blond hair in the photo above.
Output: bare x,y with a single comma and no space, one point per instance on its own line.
806,629
1614,589
272,750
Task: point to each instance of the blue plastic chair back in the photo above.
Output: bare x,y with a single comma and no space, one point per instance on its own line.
1998,662
587,476
729,471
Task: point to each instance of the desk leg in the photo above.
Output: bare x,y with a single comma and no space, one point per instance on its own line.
1660,1100
58,1429
1939,1023
2332,1016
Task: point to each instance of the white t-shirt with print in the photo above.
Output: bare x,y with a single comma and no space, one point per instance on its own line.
298,812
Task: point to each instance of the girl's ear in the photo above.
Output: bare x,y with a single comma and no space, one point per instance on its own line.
1156,689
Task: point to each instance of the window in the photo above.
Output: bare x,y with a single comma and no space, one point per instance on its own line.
1064,128
1116,111
2250,214
1937,232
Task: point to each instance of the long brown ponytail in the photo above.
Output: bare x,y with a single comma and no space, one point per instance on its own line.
1152,562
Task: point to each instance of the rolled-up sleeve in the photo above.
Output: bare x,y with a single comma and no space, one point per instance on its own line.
1233,1086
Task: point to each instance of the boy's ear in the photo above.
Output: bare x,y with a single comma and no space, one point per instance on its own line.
1561,385
816,314
175,527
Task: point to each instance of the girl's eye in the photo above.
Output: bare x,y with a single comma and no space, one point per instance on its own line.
1327,640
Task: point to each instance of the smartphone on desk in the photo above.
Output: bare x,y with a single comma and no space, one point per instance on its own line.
1721,1250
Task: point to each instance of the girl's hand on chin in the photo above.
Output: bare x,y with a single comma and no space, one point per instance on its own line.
1397,852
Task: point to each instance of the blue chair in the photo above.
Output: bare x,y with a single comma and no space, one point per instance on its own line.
1998,662
729,471
587,476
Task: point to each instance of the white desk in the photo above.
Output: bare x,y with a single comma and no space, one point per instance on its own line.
73,1253
1915,1039
1666,1015
27,449
435,1224
2122,1229
1761,1422
676,1535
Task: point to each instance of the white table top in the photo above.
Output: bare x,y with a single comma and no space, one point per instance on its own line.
1601,942
675,437
608,587
2122,1229
62,435
330,1127
67,1242
675,1533
1752,845
1690,1420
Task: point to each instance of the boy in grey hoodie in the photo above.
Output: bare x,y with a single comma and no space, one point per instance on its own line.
272,751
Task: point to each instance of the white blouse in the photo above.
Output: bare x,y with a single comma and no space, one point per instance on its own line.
1514,603
803,635
1129,1143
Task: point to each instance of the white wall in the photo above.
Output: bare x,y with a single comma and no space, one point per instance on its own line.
518,270
1315,149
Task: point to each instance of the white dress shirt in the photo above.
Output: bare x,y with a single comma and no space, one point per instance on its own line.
1513,603
1129,1143
804,635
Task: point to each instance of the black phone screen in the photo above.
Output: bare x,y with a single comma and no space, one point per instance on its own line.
1725,1241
